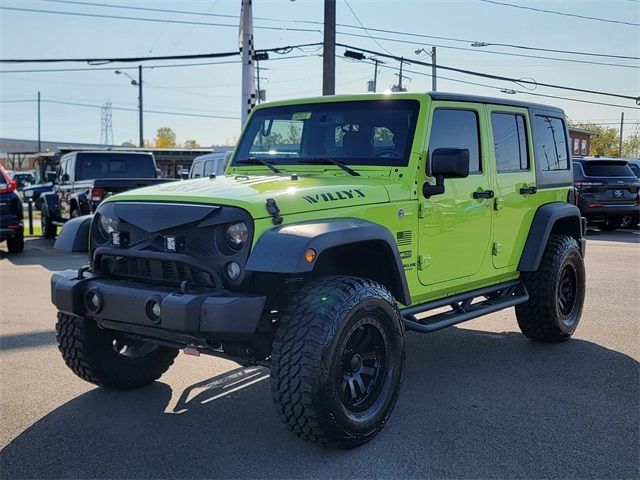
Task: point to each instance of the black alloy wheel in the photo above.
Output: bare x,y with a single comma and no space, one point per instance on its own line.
364,359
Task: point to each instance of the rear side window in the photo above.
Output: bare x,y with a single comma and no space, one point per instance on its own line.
457,129
552,149
635,169
607,169
510,142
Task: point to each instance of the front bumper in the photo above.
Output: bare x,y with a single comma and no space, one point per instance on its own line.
210,313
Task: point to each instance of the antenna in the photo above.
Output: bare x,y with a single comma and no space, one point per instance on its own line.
106,134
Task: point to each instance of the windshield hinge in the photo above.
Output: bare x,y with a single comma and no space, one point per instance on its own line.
274,211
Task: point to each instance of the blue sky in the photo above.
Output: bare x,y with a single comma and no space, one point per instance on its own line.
215,89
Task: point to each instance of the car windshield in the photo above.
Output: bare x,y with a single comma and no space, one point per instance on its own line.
369,132
607,169
114,165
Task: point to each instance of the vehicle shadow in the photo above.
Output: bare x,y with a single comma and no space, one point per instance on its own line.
39,251
474,405
624,236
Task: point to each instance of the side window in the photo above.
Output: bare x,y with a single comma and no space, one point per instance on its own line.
457,129
198,170
63,169
208,167
552,150
510,141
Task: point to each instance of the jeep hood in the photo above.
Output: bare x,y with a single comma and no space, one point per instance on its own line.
307,193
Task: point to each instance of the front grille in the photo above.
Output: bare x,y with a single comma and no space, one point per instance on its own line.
164,271
201,241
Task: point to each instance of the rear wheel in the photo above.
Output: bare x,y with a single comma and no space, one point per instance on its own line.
610,225
16,244
48,228
556,293
337,361
107,358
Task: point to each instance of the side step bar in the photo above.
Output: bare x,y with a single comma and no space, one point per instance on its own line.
496,297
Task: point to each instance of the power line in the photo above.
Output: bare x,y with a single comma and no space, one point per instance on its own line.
283,50
363,27
311,22
157,20
475,50
564,14
488,75
495,87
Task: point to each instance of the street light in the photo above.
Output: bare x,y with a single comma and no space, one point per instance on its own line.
136,83
432,54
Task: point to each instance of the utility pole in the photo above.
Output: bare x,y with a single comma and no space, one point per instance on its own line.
329,49
400,77
434,74
39,143
375,74
621,128
140,104
248,99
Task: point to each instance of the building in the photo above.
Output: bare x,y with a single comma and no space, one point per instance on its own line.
580,141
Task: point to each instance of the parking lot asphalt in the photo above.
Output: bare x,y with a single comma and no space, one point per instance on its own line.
478,401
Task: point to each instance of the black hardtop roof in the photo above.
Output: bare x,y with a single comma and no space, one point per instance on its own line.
109,152
461,97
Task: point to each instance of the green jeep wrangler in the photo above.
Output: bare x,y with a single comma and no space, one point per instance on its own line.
341,223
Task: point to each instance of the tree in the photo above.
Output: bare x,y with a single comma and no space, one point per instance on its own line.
191,144
165,138
631,146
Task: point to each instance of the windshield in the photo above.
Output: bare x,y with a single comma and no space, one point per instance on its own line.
369,132
114,165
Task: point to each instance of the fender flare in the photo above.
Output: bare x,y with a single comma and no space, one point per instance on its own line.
545,219
82,202
50,205
282,249
74,236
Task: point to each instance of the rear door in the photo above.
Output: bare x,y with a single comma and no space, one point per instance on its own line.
515,186
455,227
608,182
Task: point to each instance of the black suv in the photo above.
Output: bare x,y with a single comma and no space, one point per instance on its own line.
607,191
10,214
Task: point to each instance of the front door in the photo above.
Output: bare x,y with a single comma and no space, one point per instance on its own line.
455,227
515,187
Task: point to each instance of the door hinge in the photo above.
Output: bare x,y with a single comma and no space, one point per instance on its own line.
424,261
424,209
498,203
497,248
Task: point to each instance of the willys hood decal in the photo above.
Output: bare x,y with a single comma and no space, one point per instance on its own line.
292,194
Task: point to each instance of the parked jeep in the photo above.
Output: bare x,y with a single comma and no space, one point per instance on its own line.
341,223
11,224
84,179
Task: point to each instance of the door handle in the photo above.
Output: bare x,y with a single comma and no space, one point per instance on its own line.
528,190
483,194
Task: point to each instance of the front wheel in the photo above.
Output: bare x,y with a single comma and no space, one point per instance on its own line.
556,293
107,358
337,361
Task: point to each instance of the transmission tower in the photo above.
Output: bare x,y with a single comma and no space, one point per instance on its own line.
106,134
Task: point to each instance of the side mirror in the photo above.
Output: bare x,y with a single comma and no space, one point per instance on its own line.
446,163
65,177
51,177
184,175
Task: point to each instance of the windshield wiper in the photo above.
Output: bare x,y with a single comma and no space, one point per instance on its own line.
257,161
326,161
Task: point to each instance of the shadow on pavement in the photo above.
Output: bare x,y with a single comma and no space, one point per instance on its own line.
38,251
27,340
624,236
474,405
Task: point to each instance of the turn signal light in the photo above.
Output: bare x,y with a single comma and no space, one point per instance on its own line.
310,255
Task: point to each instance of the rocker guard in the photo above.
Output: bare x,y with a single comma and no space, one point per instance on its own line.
202,313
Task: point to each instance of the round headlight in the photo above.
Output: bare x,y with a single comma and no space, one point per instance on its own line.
237,234
108,225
